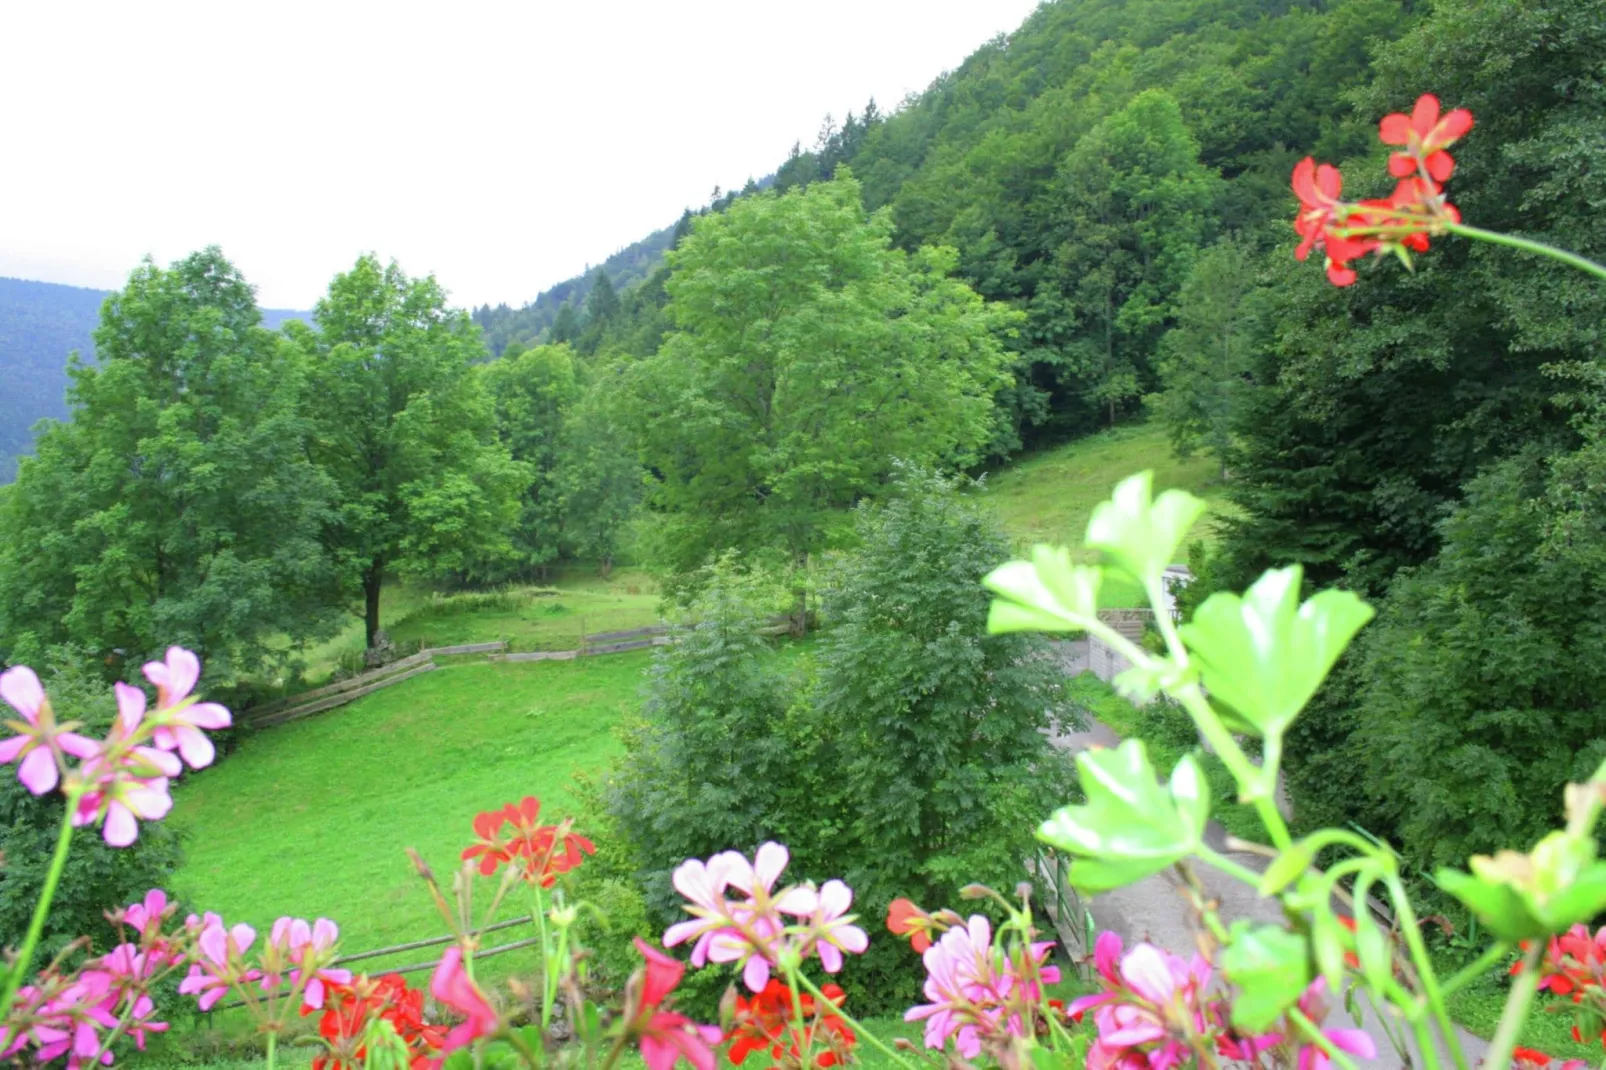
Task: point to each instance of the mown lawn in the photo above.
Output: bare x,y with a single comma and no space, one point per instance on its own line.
1048,496
313,818
533,618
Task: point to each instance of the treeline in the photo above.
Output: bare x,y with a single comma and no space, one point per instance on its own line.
238,490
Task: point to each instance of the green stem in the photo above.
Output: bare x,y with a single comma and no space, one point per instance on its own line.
1424,968
1479,966
1528,245
41,909
1232,869
797,1018
273,1040
1424,1042
1260,788
859,1028
1515,1016
1319,1038
547,986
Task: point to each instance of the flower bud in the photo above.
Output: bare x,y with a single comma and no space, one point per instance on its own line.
975,891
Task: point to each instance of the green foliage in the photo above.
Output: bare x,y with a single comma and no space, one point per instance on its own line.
710,764
808,355
934,732
532,390
97,878
1204,361
1270,968
406,432
1479,694
179,504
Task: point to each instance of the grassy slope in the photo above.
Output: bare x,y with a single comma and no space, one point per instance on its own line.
1048,496
313,818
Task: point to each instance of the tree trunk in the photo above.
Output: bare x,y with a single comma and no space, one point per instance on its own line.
371,581
606,567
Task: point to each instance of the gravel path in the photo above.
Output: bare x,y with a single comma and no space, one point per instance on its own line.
1157,908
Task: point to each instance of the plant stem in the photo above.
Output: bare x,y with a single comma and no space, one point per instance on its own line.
1424,968
41,909
797,1019
859,1028
273,1040
1528,245
1515,1016
1319,1038
1232,869
1479,966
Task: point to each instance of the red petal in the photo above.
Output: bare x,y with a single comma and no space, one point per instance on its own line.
1441,165
1425,116
1453,126
1402,165
1304,184
1329,182
1339,275
1395,129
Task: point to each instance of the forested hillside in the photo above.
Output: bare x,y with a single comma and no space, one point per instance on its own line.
40,324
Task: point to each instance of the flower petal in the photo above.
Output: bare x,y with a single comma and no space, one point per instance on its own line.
130,706
769,862
22,691
38,771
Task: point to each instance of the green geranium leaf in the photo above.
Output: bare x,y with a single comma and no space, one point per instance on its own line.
1131,826
1046,594
1139,532
1520,896
1264,654
1372,949
1271,968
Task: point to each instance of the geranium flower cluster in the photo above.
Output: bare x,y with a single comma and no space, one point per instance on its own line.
754,932
122,779
1402,222
1154,1011
979,992
1574,965
346,1023
767,1022
540,853
296,960
81,1013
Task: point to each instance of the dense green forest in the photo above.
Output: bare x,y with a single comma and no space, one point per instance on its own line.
40,324
1087,221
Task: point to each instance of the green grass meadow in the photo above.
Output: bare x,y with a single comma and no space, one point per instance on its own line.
1048,496
313,818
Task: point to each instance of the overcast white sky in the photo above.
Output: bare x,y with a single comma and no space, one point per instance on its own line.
501,145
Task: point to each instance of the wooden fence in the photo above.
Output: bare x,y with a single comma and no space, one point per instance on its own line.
593,644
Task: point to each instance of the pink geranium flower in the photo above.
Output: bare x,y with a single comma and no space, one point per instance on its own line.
453,988
219,962
308,947
38,739
747,933
832,926
180,720
127,784
976,992
666,1035
1150,1001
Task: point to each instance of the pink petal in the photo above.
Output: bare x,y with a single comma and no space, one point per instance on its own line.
756,973
300,933
830,957
1107,954
10,748
149,799
799,901
77,746
38,771
1354,1041
768,864
313,996
278,936
160,760
242,936
208,715
121,828
835,898
130,706
657,1053
324,933
850,938
22,691
1148,974
682,931
194,746
692,880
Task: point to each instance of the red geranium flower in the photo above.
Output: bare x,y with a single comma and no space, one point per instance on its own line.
348,1010
1425,136
767,1021
544,851
906,919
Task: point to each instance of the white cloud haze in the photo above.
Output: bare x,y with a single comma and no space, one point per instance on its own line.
501,145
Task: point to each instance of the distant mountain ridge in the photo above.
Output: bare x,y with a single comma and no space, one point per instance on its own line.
41,323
